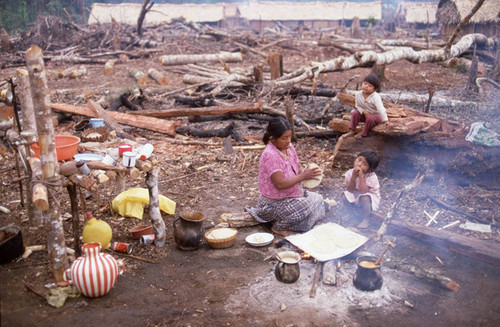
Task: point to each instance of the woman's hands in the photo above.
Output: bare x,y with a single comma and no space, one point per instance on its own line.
281,182
310,173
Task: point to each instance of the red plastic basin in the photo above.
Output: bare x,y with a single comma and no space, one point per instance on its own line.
66,147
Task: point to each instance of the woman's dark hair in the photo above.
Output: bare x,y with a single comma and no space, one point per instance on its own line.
276,127
371,158
373,80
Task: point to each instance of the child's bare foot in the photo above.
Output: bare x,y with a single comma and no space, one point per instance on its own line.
358,136
284,233
364,224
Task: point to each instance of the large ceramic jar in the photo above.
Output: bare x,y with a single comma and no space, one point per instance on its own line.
94,273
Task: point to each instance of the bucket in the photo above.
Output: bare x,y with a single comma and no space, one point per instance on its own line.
96,122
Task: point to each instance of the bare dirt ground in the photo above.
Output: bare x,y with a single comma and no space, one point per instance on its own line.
235,286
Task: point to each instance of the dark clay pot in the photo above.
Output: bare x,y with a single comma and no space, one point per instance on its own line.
368,276
11,243
287,270
188,230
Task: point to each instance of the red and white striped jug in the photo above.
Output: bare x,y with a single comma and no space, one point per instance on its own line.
94,273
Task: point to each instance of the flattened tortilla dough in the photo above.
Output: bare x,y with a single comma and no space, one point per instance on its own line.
346,241
322,246
311,183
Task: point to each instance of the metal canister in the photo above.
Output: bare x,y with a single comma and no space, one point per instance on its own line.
82,167
147,239
121,247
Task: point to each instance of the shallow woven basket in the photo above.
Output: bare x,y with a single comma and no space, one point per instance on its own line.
102,131
220,243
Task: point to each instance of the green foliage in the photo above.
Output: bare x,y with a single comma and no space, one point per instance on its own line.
14,15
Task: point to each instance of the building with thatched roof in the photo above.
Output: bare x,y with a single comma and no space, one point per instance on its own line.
127,13
485,21
416,14
263,14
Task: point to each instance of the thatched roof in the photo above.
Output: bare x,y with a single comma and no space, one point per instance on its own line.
127,13
417,12
453,11
293,11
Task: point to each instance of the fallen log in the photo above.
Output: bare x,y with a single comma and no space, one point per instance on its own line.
158,77
431,276
167,60
151,123
486,251
184,112
221,132
370,58
402,121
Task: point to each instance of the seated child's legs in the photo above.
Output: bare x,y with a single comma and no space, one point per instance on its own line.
356,117
371,121
366,207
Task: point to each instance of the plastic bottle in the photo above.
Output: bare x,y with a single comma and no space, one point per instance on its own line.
97,230
146,151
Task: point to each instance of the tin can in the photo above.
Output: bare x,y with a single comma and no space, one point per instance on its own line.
147,239
121,247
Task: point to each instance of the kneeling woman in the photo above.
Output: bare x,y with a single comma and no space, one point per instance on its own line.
282,201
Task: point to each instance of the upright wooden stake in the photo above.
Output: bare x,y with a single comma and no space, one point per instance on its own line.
275,61
56,244
73,199
289,116
29,133
154,207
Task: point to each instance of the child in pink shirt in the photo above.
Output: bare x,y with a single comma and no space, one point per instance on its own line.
362,186
282,200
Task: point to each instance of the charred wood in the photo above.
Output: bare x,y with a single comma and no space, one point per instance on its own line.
222,132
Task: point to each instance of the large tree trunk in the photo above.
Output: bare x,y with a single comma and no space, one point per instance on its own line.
56,244
154,124
369,58
197,58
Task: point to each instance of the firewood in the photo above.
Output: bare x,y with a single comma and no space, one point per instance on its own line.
158,77
81,71
139,76
134,173
144,166
109,66
40,197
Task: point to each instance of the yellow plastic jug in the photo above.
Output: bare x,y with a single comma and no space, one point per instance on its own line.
97,230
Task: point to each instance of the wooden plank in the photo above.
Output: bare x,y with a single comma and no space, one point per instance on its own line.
486,251
151,123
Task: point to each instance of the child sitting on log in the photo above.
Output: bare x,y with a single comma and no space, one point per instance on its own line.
362,186
368,108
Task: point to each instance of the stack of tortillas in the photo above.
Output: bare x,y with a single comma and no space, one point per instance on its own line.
311,183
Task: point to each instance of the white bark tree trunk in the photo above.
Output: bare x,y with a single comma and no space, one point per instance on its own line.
364,58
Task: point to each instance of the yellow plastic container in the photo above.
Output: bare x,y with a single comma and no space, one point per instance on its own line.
97,230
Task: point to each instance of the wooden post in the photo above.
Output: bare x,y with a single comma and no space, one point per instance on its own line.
154,207
56,244
289,116
29,134
275,61
73,199
355,28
